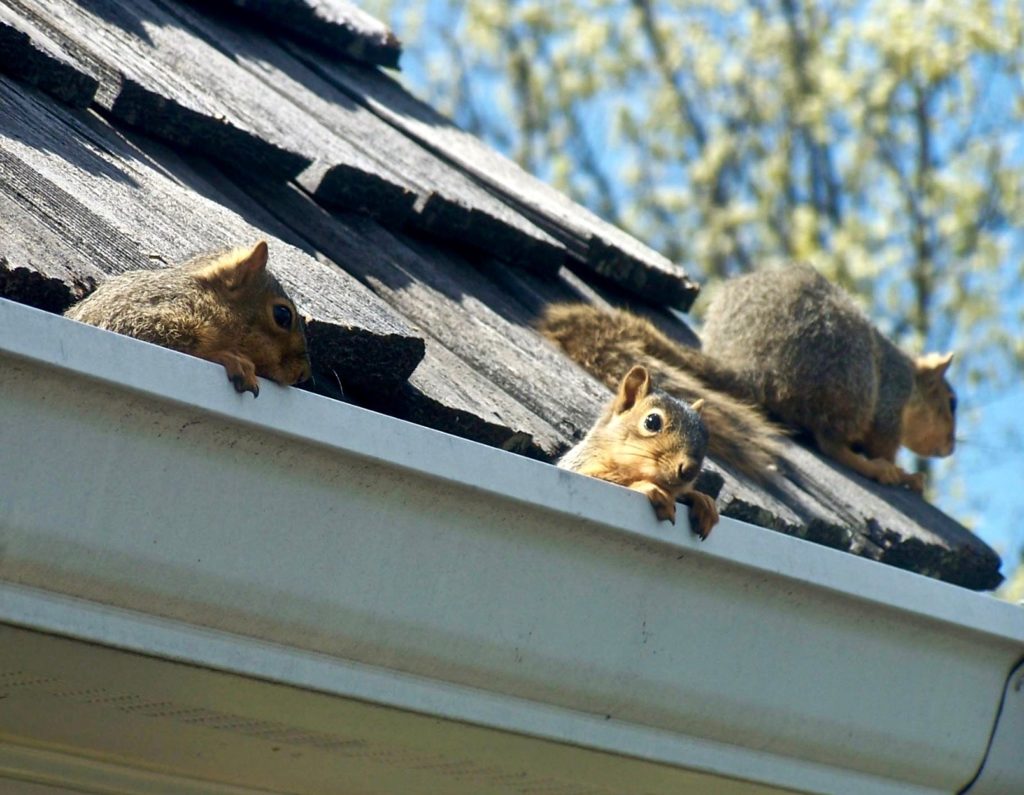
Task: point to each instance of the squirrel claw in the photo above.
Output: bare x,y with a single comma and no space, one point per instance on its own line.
703,513
666,512
242,384
241,372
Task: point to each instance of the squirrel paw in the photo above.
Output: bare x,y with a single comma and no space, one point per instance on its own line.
665,510
889,474
245,383
663,502
703,513
914,482
241,372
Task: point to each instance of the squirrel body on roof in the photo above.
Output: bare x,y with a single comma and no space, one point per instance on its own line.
650,442
803,350
789,341
225,307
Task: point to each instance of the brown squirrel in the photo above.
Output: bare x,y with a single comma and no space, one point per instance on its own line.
225,307
790,341
653,443
606,344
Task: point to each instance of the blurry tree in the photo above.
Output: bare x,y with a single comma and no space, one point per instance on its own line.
881,139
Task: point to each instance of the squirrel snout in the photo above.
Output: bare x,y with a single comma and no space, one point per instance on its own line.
688,471
306,371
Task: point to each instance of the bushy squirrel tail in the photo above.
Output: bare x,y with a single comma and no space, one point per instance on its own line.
607,344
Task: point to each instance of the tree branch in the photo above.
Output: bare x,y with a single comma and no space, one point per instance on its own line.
719,192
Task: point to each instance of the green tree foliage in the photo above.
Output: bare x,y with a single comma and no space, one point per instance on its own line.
880,139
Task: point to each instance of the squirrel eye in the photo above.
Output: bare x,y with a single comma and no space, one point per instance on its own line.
652,423
952,404
283,316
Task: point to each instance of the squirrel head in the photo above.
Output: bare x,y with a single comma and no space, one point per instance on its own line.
929,416
649,435
267,327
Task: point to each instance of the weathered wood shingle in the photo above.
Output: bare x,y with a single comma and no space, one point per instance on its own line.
448,204
334,27
598,245
893,524
30,55
160,77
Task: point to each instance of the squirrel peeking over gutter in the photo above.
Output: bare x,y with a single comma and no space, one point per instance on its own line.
650,442
225,307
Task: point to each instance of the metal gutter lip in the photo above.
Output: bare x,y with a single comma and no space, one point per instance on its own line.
169,376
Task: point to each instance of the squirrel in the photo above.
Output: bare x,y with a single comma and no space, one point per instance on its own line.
650,442
803,350
607,343
790,341
225,307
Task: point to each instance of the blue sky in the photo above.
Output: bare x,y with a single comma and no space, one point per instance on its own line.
983,483
990,462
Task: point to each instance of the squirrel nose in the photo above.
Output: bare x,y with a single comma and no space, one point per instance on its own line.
689,471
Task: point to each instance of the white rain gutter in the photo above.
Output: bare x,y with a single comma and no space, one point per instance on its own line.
336,573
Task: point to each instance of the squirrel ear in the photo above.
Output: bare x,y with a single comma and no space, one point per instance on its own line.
635,386
934,363
258,256
698,406
236,268
252,264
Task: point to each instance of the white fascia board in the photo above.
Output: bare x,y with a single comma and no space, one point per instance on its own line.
145,483
721,768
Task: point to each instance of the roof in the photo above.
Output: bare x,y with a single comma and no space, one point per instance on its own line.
139,133
297,595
